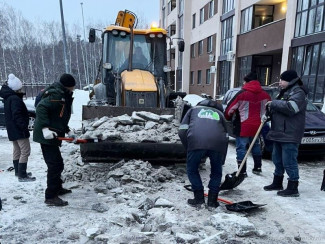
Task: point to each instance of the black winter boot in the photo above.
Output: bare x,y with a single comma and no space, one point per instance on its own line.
198,199
64,191
291,191
257,165
15,162
22,175
243,170
276,184
213,200
56,201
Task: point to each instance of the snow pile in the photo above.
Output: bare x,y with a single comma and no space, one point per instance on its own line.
140,127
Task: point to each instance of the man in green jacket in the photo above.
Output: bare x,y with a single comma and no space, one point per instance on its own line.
53,113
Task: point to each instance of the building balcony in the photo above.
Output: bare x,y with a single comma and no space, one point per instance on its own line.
264,39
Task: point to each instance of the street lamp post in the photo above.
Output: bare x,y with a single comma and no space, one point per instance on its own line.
64,40
86,56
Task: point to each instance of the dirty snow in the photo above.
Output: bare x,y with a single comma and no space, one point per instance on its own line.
136,202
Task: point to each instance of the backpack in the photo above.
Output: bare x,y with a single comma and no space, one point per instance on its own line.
39,97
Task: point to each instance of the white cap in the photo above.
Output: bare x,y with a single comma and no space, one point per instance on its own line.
14,83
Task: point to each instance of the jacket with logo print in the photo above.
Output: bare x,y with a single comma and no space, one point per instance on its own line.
54,112
204,128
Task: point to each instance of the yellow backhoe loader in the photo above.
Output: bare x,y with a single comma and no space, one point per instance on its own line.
134,77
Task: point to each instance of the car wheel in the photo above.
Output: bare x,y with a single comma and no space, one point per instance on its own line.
31,122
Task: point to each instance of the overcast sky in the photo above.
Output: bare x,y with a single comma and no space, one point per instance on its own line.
94,10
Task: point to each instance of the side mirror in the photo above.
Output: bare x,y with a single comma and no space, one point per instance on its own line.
92,35
181,46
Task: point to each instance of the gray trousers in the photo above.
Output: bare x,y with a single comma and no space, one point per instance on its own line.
21,150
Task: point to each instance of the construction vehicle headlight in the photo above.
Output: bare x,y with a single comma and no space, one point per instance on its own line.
123,34
152,35
115,32
160,35
107,66
167,69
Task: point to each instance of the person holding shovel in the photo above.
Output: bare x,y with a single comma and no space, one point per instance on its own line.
247,107
52,117
287,114
203,133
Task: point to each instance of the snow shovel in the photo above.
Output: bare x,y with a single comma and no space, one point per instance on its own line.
231,206
78,141
322,188
235,179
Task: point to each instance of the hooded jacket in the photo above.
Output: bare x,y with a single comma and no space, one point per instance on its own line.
16,114
248,105
204,127
53,111
288,114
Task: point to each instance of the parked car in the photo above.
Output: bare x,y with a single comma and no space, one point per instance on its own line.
313,142
31,115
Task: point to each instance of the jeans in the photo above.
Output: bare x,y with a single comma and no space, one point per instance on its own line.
241,147
193,161
55,166
284,157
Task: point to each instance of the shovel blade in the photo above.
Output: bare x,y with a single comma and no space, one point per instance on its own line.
232,181
243,206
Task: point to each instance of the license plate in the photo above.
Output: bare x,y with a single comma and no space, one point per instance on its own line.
312,140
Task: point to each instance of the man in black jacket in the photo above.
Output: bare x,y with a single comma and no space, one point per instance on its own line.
288,113
17,120
203,132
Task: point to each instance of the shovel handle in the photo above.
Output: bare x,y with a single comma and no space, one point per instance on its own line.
220,199
250,147
71,139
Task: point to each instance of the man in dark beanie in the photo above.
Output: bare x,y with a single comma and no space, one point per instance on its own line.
247,106
52,117
287,129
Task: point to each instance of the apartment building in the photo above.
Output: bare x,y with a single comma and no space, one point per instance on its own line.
226,39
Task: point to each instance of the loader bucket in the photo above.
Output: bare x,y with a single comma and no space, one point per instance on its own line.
113,151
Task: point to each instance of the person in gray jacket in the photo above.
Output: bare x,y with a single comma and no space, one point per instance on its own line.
287,114
203,132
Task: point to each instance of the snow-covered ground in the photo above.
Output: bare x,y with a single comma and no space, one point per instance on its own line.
135,202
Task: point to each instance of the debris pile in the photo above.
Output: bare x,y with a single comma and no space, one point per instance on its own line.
140,127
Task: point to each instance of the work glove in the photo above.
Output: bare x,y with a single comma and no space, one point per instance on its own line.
49,134
72,135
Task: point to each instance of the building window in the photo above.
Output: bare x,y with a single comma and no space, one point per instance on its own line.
309,62
193,50
208,77
171,5
246,20
211,9
193,20
224,74
310,17
227,6
200,47
210,44
172,54
192,78
172,29
199,77
226,36
245,66
263,14
201,16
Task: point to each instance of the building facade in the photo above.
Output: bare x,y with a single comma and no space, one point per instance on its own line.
226,39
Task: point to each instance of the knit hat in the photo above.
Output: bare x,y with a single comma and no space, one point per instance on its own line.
67,80
14,83
250,76
289,75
